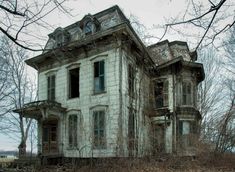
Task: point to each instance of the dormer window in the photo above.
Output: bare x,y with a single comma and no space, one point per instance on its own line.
59,40
88,28
60,36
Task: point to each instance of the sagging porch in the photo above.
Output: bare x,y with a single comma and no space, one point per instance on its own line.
49,116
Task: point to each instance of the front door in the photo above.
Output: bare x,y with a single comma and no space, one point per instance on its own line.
49,137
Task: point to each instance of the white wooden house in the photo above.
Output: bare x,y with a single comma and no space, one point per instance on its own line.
103,93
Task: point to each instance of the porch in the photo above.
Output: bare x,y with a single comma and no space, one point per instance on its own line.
49,115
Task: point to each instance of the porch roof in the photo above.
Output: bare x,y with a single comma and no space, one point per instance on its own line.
39,109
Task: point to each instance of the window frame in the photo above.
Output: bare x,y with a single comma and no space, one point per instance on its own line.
187,93
131,80
100,75
74,67
51,88
101,142
73,134
161,92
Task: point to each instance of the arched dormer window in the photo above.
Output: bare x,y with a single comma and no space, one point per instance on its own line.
88,29
60,36
187,93
89,24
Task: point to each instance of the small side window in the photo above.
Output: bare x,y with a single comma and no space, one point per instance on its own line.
51,87
187,93
99,77
131,80
73,120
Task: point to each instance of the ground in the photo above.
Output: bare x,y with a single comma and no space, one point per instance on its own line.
202,163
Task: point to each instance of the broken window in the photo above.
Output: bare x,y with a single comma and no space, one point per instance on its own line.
74,83
187,93
161,94
51,87
131,132
99,129
73,120
99,76
131,80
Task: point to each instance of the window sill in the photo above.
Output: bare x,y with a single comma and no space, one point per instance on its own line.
72,148
98,93
73,98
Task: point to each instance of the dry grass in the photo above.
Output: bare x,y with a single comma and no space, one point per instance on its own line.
202,163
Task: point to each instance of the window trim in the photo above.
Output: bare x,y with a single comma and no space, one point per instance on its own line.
74,143
78,114
99,108
104,77
188,96
164,92
72,67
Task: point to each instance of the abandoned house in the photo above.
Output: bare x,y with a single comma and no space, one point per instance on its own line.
103,93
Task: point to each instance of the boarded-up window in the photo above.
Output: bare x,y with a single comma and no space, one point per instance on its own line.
161,94
73,120
74,83
187,93
99,82
99,129
131,80
51,87
187,131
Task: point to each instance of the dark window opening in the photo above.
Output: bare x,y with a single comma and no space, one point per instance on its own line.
99,129
51,87
131,80
161,94
74,83
73,130
99,80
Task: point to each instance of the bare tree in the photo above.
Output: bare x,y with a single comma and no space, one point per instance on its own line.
21,91
20,18
210,93
211,18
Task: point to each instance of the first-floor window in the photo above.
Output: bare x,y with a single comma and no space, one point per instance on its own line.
187,131
99,129
73,130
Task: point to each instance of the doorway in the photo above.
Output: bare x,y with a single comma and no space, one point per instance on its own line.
49,137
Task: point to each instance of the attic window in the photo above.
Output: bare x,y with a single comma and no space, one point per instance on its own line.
59,39
88,28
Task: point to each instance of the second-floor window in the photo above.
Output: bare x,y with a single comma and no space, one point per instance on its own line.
74,83
161,94
99,77
51,87
187,93
73,120
131,80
